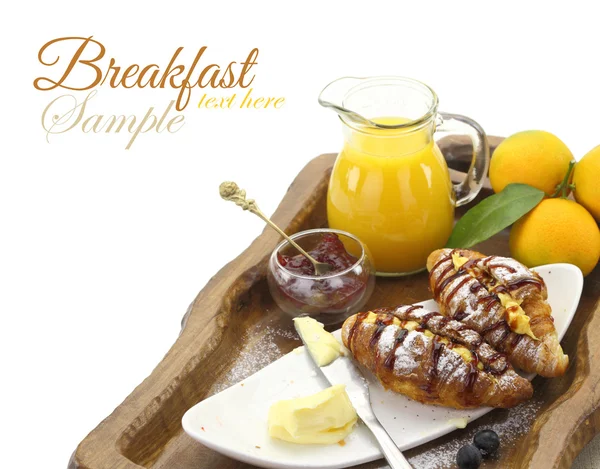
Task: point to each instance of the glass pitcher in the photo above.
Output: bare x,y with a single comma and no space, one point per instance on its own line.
390,184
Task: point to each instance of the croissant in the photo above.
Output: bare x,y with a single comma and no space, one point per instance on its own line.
502,300
433,359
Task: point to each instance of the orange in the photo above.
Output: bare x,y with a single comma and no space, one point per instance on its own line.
557,230
532,157
586,178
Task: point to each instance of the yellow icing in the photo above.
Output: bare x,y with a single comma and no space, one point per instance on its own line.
464,352
516,317
411,325
458,260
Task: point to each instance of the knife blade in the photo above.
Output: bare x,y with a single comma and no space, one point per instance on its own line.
343,370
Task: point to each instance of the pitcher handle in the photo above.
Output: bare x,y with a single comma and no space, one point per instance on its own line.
455,124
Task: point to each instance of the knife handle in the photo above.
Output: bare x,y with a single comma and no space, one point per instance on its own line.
392,454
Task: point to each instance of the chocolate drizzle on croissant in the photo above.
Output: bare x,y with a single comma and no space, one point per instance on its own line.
432,358
470,294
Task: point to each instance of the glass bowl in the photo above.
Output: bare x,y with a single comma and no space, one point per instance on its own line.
328,298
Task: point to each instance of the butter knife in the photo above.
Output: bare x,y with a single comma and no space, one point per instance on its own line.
342,370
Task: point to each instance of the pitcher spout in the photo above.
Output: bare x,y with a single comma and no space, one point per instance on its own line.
366,100
334,95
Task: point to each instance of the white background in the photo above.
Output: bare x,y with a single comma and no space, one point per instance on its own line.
102,249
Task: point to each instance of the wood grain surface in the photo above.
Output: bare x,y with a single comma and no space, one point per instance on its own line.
234,315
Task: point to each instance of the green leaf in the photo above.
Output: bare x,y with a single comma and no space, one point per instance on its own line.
493,214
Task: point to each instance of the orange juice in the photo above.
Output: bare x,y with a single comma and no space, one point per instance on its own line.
391,188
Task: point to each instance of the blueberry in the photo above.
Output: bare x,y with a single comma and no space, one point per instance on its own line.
468,457
487,441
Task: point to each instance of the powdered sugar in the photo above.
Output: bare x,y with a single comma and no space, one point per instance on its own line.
451,368
482,310
510,426
386,340
261,352
505,269
413,346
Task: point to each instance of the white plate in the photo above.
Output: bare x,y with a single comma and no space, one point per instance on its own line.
234,422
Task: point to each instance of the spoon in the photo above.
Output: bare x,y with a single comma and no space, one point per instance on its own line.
230,191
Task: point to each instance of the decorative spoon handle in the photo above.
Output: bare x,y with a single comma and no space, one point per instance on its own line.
230,191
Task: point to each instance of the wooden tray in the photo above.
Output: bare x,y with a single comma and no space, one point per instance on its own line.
232,329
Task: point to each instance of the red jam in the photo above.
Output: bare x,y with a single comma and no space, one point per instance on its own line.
330,293
330,250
